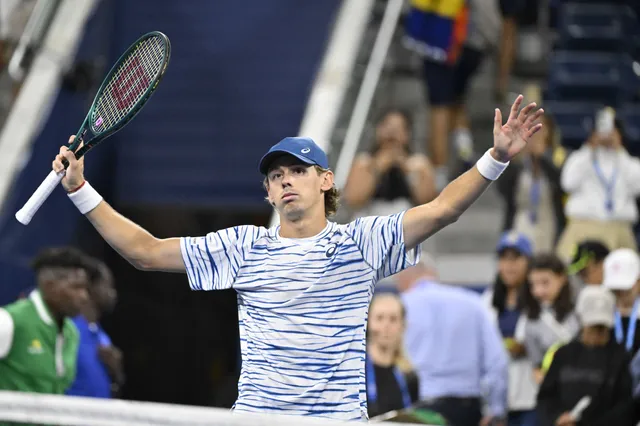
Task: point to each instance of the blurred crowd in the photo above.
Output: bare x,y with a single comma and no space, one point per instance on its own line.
547,344
553,340
51,340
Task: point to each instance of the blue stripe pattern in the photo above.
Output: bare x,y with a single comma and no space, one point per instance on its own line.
302,307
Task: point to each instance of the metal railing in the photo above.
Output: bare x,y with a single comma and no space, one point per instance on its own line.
334,74
367,90
42,81
32,37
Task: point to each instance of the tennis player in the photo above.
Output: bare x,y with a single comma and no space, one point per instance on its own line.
304,286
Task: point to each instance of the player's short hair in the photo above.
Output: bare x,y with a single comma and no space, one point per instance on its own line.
63,258
331,197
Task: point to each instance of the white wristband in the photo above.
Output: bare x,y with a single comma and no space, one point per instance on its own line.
85,198
489,167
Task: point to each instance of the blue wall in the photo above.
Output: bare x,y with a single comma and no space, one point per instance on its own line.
238,82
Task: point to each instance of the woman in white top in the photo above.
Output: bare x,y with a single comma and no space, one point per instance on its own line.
506,302
602,181
548,304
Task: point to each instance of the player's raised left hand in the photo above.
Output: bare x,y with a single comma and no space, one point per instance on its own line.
511,138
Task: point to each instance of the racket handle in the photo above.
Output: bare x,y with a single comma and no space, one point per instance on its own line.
25,214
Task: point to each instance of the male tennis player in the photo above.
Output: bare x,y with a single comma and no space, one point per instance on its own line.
304,286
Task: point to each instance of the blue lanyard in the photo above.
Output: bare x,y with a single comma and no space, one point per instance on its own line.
534,198
608,184
534,191
631,331
372,387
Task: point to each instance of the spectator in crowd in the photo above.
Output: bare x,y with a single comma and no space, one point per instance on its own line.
99,370
635,375
484,32
14,15
548,304
622,276
508,40
588,262
437,31
602,181
391,382
38,340
390,178
455,349
448,69
506,304
532,193
592,368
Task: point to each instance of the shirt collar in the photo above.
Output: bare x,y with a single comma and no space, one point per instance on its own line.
41,307
275,233
424,283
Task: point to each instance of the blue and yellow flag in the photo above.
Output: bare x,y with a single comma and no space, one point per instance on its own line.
437,29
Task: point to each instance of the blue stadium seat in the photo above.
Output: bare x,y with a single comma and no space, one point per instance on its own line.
595,27
575,120
633,79
630,115
592,77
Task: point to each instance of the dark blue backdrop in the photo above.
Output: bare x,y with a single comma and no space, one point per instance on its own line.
240,75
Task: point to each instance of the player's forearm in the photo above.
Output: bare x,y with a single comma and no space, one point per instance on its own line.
130,240
460,194
423,221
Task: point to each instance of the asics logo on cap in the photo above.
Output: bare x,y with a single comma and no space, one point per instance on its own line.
305,150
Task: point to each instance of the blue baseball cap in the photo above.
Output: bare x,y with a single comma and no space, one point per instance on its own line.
304,149
516,241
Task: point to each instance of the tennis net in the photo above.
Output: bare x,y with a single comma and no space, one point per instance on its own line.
36,409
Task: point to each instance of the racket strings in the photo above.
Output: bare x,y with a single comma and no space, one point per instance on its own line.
129,84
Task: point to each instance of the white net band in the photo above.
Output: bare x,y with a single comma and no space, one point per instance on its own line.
30,409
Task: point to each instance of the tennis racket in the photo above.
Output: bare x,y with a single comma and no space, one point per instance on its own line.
124,91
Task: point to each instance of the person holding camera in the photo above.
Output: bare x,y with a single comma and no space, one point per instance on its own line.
602,181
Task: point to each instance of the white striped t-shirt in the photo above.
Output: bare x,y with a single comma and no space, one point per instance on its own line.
302,306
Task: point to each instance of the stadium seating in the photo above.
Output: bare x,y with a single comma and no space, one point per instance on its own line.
574,119
605,77
595,27
595,63
630,114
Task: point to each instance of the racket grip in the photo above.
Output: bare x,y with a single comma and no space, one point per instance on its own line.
33,204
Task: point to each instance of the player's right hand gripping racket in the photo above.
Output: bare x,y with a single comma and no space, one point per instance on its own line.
123,93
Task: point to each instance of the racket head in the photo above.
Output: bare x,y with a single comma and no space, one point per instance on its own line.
125,89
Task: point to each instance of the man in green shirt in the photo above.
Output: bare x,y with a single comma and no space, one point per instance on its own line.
38,340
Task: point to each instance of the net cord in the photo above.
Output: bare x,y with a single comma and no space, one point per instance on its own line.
62,410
